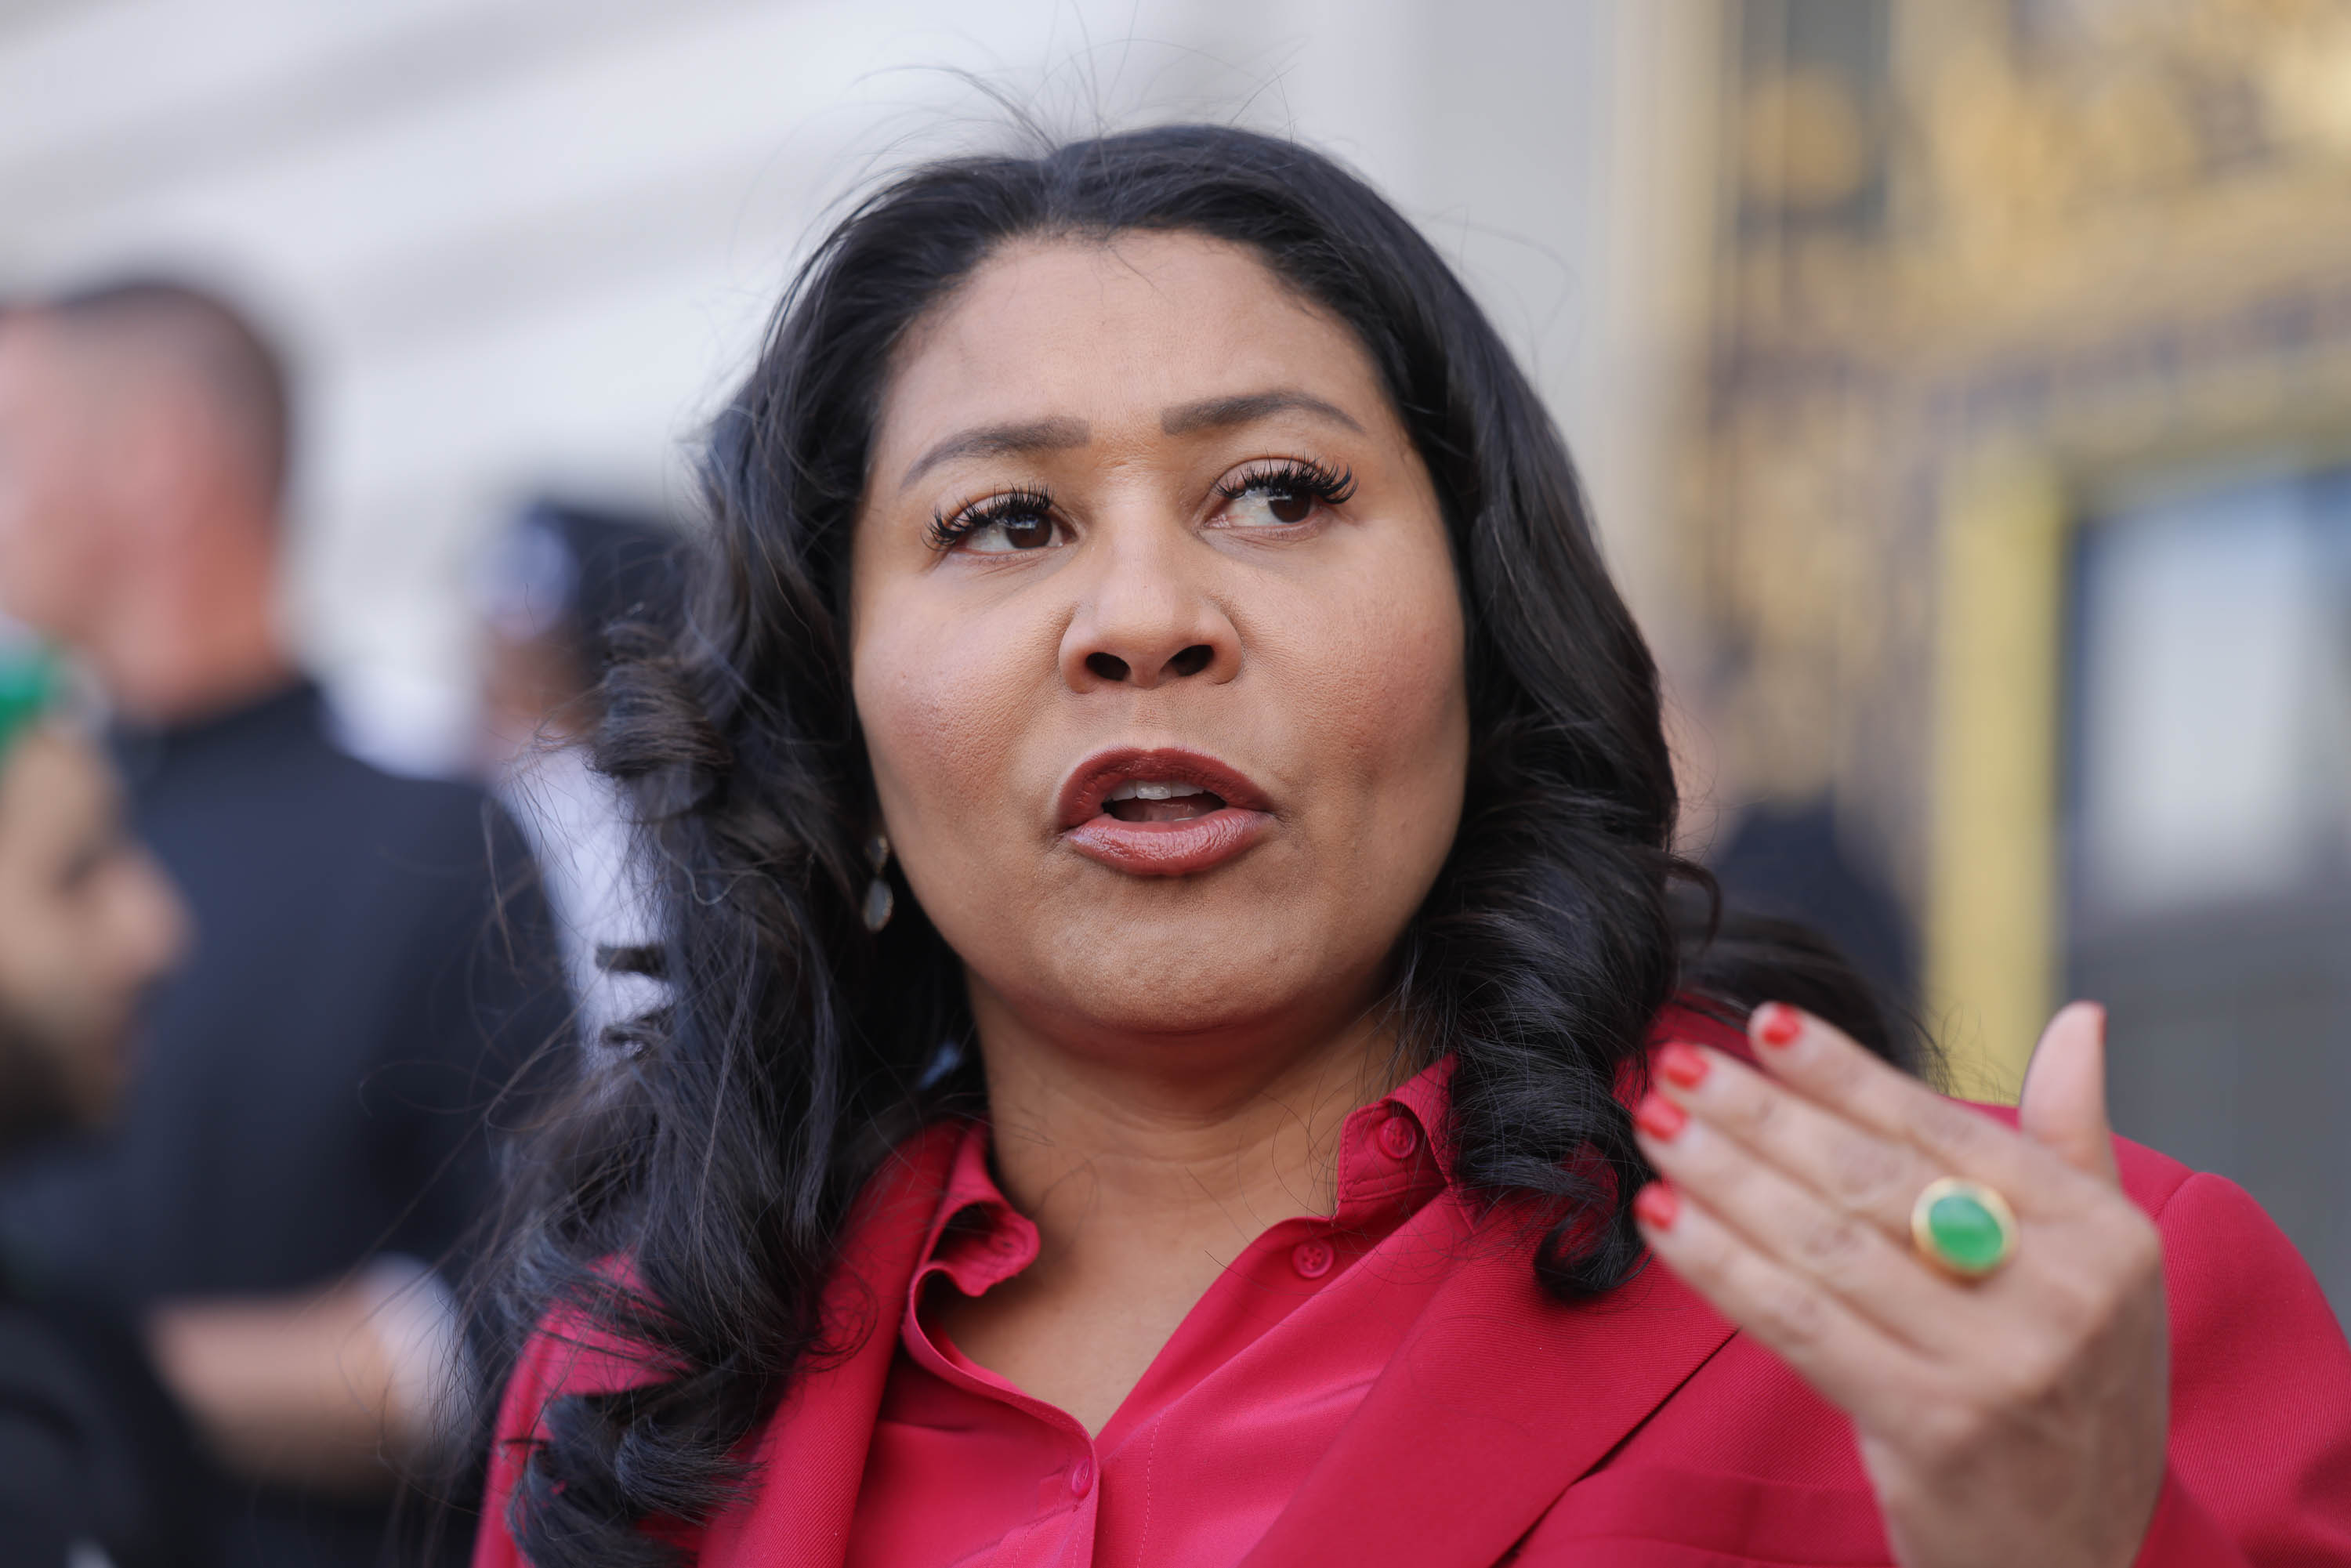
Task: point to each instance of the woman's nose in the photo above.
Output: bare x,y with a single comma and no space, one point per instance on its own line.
1142,622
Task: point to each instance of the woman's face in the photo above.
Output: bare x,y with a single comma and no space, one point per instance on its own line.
1157,647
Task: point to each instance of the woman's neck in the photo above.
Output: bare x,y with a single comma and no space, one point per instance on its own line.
1085,1143
1148,1168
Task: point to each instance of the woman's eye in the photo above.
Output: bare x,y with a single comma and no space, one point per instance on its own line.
1272,506
1008,536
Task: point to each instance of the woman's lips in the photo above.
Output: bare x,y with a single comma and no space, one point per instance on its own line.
1175,835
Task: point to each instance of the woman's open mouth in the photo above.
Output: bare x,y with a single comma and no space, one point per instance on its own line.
1163,812
1160,800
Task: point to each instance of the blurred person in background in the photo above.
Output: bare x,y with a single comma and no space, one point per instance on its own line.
94,1456
555,588
306,1133
1763,819
1790,861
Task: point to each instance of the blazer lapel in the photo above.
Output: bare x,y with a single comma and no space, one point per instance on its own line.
1497,1402
812,1457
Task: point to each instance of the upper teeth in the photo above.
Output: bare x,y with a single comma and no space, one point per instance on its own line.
1143,790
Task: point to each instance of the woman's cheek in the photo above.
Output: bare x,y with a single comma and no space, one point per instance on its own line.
942,724
1426,768
1393,678
1413,711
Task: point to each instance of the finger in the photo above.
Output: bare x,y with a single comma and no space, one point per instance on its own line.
1845,1168
2064,1103
1850,1361
1819,1062
1851,1167
1792,1225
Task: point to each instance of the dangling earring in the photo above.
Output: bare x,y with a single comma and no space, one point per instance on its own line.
879,900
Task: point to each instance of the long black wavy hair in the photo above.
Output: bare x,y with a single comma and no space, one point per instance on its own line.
721,1151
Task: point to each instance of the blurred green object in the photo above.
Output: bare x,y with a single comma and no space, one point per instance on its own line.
29,684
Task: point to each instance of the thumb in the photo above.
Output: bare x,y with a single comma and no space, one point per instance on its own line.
2064,1103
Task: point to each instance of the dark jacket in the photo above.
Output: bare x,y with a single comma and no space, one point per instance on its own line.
92,1451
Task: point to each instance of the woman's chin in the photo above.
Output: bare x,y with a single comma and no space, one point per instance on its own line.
1130,989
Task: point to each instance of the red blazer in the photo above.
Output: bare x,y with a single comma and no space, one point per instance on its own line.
1639,1429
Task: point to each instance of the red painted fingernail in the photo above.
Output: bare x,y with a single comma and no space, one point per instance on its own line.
1778,1024
1659,1117
1682,1064
1657,1206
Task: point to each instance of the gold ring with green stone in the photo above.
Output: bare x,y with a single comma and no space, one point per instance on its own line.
1963,1227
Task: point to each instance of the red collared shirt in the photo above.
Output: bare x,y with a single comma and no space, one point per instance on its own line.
1212,1443
1505,1426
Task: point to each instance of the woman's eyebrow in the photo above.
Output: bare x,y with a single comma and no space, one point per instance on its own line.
1215,412
1002,441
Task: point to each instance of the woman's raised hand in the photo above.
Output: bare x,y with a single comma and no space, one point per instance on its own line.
2017,1418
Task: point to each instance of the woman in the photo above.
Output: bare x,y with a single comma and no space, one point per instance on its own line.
1167,831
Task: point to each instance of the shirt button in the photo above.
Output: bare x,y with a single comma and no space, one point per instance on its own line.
1082,1477
1311,1259
1398,1136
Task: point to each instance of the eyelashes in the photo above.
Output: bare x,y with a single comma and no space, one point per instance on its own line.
1294,483
1022,504
1292,478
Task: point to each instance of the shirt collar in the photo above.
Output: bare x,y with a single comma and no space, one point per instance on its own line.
1392,1159
1392,1153
976,1237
